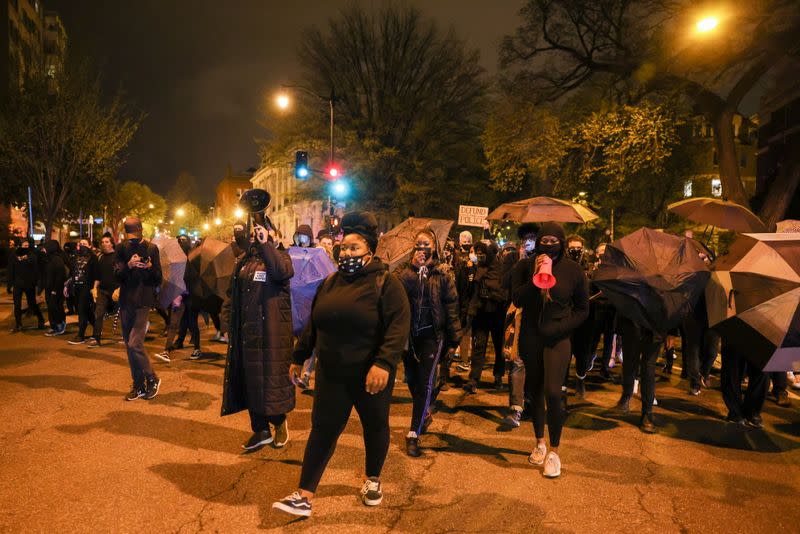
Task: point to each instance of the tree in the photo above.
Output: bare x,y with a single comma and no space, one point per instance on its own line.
184,189
67,145
134,198
634,48
408,104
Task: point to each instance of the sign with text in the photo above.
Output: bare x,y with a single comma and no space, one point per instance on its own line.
789,226
472,216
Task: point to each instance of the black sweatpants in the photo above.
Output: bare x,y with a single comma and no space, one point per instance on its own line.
103,305
334,399
734,367
55,307
189,322
85,304
175,320
421,366
487,324
641,349
603,326
582,347
545,367
692,335
30,297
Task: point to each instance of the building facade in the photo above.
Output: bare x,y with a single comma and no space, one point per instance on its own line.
21,41
55,48
228,191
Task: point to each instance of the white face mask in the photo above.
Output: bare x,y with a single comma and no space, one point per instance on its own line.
529,245
473,258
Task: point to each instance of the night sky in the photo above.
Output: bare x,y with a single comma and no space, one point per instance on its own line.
201,69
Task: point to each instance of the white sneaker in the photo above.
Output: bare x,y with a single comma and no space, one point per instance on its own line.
538,454
552,465
223,338
371,493
216,336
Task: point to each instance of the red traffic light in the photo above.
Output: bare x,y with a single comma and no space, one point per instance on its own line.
334,172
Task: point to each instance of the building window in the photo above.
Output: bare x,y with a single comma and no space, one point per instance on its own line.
51,71
687,188
716,187
743,160
715,158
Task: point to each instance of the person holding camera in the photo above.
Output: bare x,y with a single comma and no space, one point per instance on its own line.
138,269
258,319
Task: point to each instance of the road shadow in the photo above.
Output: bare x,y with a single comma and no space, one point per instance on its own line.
214,380
188,400
19,356
60,383
459,445
119,357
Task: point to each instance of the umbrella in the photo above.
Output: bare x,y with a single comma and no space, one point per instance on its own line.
173,267
543,209
753,299
652,278
395,246
215,262
311,267
718,212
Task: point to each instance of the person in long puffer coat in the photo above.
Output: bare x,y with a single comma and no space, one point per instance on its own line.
258,318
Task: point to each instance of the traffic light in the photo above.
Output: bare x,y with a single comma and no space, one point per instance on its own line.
301,165
334,172
340,188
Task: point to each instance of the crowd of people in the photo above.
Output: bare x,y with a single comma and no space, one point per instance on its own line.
435,311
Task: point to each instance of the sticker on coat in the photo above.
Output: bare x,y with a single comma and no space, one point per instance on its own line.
260,276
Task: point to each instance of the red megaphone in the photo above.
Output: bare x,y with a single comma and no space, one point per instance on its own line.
543,278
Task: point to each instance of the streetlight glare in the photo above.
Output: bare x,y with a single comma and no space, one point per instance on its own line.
283,101
151,206
707,24
205,226
180,212
217,221
239,213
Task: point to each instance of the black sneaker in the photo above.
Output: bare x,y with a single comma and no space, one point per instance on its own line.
646,424
163,356
782,399
41,325
151,386
735,419
412,447
755,421
196,354
93,343
471,387
257,440
371,494
513,419
136,392
294,504
498,383
281,435
16,328
624,404
51,332
580,388
77,340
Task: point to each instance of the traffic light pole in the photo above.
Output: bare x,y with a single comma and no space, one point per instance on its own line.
331,102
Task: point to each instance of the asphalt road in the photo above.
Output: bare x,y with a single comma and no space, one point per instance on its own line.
75,457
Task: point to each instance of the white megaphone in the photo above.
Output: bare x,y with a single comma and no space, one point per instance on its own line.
543,278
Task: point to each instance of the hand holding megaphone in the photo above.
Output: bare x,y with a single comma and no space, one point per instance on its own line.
543,277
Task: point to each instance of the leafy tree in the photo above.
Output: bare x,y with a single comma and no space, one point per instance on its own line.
408,104
67,145
184,189
134,198
634,48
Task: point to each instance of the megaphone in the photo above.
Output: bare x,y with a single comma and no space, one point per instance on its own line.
255,202
543,278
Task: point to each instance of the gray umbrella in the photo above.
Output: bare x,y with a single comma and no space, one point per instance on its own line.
173,267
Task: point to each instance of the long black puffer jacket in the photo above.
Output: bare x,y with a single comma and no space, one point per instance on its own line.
440,286
259,316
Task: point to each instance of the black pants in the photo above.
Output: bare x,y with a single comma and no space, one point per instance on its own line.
85,304
711,344
692,335
421,366
779,382
603,326
545,367
103,305
582,347
174,324
260,422
30,297
334,399
516,384
134,329
189,322
487,324
734,367
55,306
640,348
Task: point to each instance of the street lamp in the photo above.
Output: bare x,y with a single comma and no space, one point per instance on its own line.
283,102
205,226
180,212
707,24
150,206
217,221
239,213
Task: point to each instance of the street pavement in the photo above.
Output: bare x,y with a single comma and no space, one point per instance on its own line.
75,457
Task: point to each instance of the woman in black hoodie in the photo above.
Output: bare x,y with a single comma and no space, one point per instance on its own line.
358,328
548,318
435,329
55,275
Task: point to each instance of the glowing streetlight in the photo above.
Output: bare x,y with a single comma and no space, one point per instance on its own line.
172,221
217,221
205,226
150,206
707,24
239,213
161,221
180,212
283,101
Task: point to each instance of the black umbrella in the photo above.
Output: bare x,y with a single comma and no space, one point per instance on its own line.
652,278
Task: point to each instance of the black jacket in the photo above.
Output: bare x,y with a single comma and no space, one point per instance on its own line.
24,273
259,316
555,319
102,270
487,291
137,286
438,289
349,331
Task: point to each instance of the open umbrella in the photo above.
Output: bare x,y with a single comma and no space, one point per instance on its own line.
652,278
395,246
173,267
753,299
718,212
543,209
311,267
215,262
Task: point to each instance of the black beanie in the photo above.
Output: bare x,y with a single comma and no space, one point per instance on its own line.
364,224
526,229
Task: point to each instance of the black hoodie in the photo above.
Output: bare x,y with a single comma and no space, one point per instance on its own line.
555,319
348,331
55,272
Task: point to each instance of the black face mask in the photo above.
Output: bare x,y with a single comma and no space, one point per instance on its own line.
22,251
83,249
135,240
482,259
550,250
351,265
575,254
240,237
425,250
185,246
465,248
